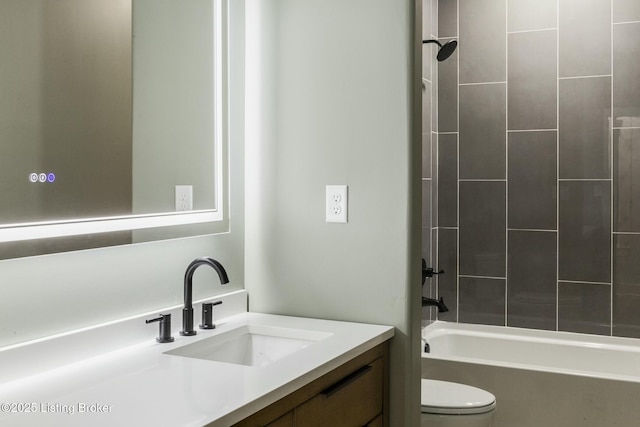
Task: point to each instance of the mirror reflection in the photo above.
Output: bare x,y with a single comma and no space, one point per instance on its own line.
107,107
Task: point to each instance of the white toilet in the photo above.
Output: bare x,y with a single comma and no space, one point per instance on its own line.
447,404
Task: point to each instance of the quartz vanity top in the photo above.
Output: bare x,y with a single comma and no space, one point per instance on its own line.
141,385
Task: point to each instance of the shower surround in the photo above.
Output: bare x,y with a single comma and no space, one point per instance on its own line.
531,133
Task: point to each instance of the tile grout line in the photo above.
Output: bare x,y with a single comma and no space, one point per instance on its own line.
558,166
595,76
611,142
458,162
530,31
434,171
586,282
481,83
470,276
431,168
530,130
623,22
435,153
506,169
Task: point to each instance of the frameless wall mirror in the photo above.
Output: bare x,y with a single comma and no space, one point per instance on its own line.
112,122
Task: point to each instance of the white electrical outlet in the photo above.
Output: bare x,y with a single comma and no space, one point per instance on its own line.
184,198
336,203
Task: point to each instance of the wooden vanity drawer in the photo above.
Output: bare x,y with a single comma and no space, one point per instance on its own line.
353,394
354,400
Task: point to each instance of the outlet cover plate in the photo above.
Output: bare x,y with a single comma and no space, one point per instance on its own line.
336,203
184,198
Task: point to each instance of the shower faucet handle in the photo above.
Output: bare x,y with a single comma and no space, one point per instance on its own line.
428,272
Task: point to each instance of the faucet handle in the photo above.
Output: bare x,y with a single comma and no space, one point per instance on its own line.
165,327
207,315
428,272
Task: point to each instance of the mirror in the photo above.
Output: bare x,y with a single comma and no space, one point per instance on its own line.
110,122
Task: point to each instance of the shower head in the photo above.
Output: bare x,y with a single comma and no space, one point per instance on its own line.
445,50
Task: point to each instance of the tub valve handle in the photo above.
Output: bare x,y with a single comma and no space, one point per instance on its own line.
428,272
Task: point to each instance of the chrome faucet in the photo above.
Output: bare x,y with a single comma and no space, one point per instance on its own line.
187,311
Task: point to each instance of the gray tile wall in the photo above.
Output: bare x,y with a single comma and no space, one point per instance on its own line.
535,137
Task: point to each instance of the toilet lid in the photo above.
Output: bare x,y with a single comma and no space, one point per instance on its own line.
443,397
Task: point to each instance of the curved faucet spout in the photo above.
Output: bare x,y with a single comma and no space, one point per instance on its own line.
187,311
188,276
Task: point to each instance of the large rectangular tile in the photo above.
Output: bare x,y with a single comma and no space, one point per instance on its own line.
585,128
584,308
482,301
427,32
447,18
483,131
448,180
426,155
434,179
626,285
626,84
447,92
482,228
482,33
448,282
626,10
426,203
426,244
434,17
427,19
585,231
434,98
427,59
531,279
585,37
527,15
533,185
533,80
428,290
426,107
626,180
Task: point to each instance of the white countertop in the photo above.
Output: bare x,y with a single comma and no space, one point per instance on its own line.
140,385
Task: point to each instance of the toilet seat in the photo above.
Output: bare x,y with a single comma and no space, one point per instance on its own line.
447,398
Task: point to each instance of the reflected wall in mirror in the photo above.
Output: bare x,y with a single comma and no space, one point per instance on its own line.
106,107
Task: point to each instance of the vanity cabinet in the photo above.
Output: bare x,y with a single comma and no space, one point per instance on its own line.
354,394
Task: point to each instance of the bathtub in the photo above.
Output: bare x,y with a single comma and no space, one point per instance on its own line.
540,378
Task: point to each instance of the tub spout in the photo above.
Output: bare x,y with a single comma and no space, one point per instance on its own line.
427,302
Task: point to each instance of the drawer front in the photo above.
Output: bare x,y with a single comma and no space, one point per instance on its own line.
351,401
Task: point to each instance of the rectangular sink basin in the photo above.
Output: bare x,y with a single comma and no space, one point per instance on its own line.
250,345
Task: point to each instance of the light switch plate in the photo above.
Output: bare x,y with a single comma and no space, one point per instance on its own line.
336,203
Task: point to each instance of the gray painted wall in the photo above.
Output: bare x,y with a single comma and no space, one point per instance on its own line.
336,83
333,92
